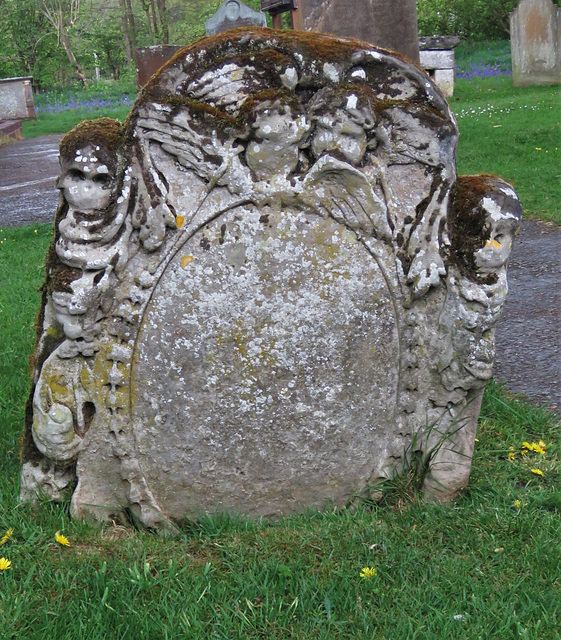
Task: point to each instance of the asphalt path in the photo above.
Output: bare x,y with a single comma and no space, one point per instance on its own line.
528,335
28,170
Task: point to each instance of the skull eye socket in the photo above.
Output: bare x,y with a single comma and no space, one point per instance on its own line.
76,174
101,179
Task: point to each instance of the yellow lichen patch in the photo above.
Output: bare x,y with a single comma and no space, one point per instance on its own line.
180,221
493,243
186,261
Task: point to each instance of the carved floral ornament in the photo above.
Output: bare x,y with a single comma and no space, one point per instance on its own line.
270,270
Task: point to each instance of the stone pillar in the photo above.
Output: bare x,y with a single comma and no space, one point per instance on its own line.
535,38
391,24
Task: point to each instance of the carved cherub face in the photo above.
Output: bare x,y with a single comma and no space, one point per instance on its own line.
86,180
503,227
277,132
343,129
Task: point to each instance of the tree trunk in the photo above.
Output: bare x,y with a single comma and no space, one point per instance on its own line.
65,41
154,20
124,23
132,26
164,25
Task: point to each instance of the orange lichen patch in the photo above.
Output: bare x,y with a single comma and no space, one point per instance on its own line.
186,261
179,221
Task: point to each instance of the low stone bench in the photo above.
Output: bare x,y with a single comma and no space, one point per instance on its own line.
438,60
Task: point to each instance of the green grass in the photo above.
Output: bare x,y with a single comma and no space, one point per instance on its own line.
479,568
515,133
103,99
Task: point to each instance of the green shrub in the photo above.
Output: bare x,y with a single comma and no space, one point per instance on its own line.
470,19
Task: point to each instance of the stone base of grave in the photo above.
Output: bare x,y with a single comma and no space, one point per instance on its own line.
10,131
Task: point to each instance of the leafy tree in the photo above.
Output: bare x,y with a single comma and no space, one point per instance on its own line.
63,15
471,19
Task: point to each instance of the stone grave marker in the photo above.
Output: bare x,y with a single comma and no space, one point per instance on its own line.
16,99
391,24
535,38
232,14
265,288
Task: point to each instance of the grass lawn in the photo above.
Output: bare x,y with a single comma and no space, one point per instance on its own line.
515,133
487,566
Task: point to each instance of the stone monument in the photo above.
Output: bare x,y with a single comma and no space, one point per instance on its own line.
264,288
391,24
535,38
436,56
16,99
232,14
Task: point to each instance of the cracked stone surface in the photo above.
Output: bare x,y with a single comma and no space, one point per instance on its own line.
265,288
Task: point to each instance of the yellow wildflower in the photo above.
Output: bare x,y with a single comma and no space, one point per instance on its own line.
368,572
538,472
527,446
517,504
7,536
511,455
4,564
63,540
539,449
542,444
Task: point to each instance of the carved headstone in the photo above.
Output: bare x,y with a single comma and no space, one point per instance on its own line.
262,291
232,14
391,24
535,38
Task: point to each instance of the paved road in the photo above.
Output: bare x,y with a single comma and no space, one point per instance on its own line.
28,170
529,332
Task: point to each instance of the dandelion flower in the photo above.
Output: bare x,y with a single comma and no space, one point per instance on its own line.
6,536
62,540
517,504
4,564
538,472
368,572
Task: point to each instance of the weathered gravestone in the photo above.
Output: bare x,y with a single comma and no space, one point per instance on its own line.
265,288
391,24
232,14
16,99
535,38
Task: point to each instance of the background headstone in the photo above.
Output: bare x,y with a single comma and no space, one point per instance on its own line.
232,14
535,37
265,288
391,24
150,59
16,99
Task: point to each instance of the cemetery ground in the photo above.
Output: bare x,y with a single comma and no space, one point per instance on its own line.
486,566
